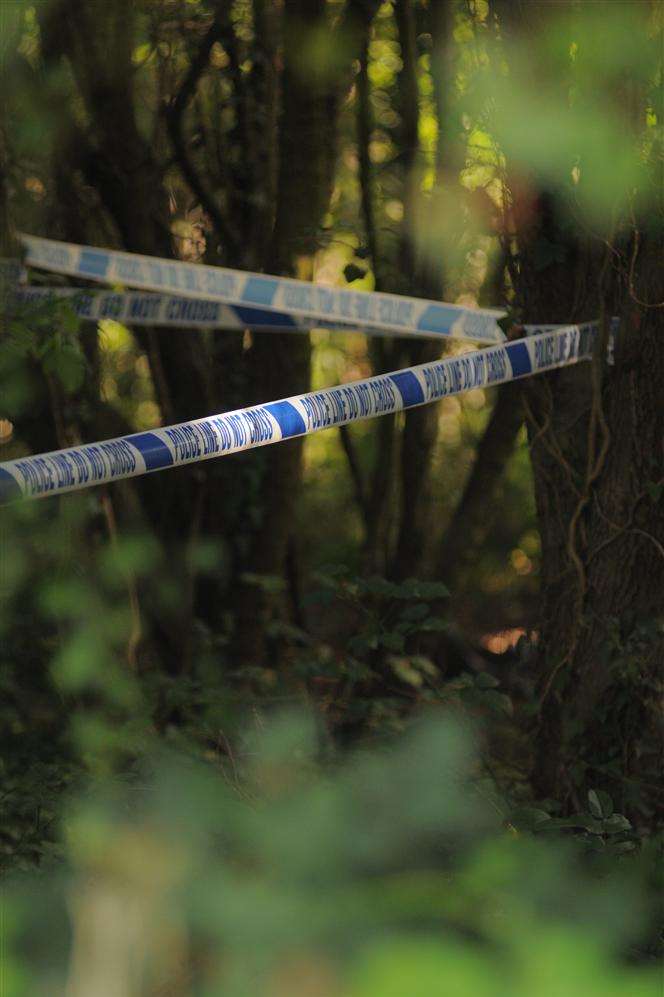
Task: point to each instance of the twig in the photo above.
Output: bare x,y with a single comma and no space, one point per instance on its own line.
364,161
648,536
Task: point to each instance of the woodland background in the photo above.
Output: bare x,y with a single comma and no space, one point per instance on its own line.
259,714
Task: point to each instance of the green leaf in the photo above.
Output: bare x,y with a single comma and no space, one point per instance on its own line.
615,824
529,817
600,803
582,822
403,669
424,664
624,847
379,587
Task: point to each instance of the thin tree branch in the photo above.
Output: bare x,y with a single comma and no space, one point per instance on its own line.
420,425
374,494
364,160
175,124
470,523
355,473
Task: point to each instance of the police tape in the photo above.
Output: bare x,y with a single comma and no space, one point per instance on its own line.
137,308
147,308
586,329
202,439
299,300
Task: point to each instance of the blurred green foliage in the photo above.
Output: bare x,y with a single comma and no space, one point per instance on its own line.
384,873
241,851
563,106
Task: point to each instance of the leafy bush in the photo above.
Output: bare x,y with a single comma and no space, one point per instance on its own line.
386,874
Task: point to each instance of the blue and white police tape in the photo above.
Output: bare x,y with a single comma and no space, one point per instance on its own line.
300,300
586,328
189,442
148,308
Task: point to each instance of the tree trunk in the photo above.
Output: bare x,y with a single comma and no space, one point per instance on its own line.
474,515
307,156
596,439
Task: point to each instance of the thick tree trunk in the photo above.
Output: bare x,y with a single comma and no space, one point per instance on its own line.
598,468
116,159
596,439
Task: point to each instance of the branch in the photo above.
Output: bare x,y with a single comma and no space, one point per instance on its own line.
355,473
364,160
175,124
470,523
265,97
410,114
353,28
420,425
374,495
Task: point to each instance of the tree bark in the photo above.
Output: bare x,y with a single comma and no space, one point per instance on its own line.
425,273
596,440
